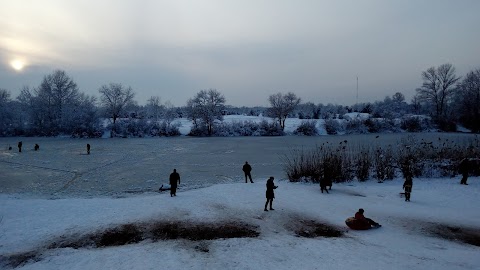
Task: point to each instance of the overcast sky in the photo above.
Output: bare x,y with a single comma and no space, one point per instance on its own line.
246,49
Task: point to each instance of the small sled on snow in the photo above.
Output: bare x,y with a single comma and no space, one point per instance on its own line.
164,188
356,224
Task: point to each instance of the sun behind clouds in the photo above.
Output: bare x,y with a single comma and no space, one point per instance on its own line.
17,64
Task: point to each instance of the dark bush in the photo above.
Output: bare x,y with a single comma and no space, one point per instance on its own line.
306,128
332,126
411,124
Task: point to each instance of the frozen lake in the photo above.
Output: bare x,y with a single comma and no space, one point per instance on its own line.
121,167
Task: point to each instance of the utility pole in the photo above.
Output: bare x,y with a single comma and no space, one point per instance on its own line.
356,103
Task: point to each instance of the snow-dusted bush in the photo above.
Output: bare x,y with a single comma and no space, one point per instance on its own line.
270,129
416,123
356,126
411,124
239,128
306,128
164,129
138,128
332,126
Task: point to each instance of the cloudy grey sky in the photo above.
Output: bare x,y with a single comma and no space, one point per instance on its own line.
246,49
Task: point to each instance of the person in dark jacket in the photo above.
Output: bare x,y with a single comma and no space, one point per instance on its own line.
464,168
407,186
362,219
247,169
174,178
324,182
19,146
36,147
270,193
88,149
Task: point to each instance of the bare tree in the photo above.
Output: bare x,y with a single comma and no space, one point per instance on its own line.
155,107
437,88
55,96
282,106
169,113
206,106
4,96
115,98
468,101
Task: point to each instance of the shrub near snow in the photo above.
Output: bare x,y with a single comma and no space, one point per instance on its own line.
240,128
307,128
332,126
138,128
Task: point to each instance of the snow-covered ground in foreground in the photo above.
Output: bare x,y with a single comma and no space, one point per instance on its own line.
403,242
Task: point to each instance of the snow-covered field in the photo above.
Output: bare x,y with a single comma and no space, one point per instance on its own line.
54,201
31,228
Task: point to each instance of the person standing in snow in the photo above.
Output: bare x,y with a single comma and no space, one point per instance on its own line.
88,149
367,221
407,186
174,178
37,147
464,168
270,193
247,169
19,146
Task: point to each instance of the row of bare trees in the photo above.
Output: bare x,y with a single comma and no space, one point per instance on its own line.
57,106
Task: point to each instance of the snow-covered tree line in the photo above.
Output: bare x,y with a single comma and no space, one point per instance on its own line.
57,107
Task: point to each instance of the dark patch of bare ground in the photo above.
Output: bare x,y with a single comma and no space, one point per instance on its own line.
312,228
466,235
133,233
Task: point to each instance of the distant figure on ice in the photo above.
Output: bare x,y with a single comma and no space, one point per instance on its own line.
464,168
247,169
36,147
407,186
270,194
88,149
366,221
20,146
174,178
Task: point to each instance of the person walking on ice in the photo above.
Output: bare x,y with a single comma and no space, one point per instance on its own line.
270,194
174,178
88,149
247,170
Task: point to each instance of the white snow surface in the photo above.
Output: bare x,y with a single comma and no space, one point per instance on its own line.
403,242
33,217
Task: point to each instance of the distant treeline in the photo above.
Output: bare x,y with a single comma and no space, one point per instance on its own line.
56,106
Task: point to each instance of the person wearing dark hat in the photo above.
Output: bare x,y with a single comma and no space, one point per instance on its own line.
363,220
270,193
